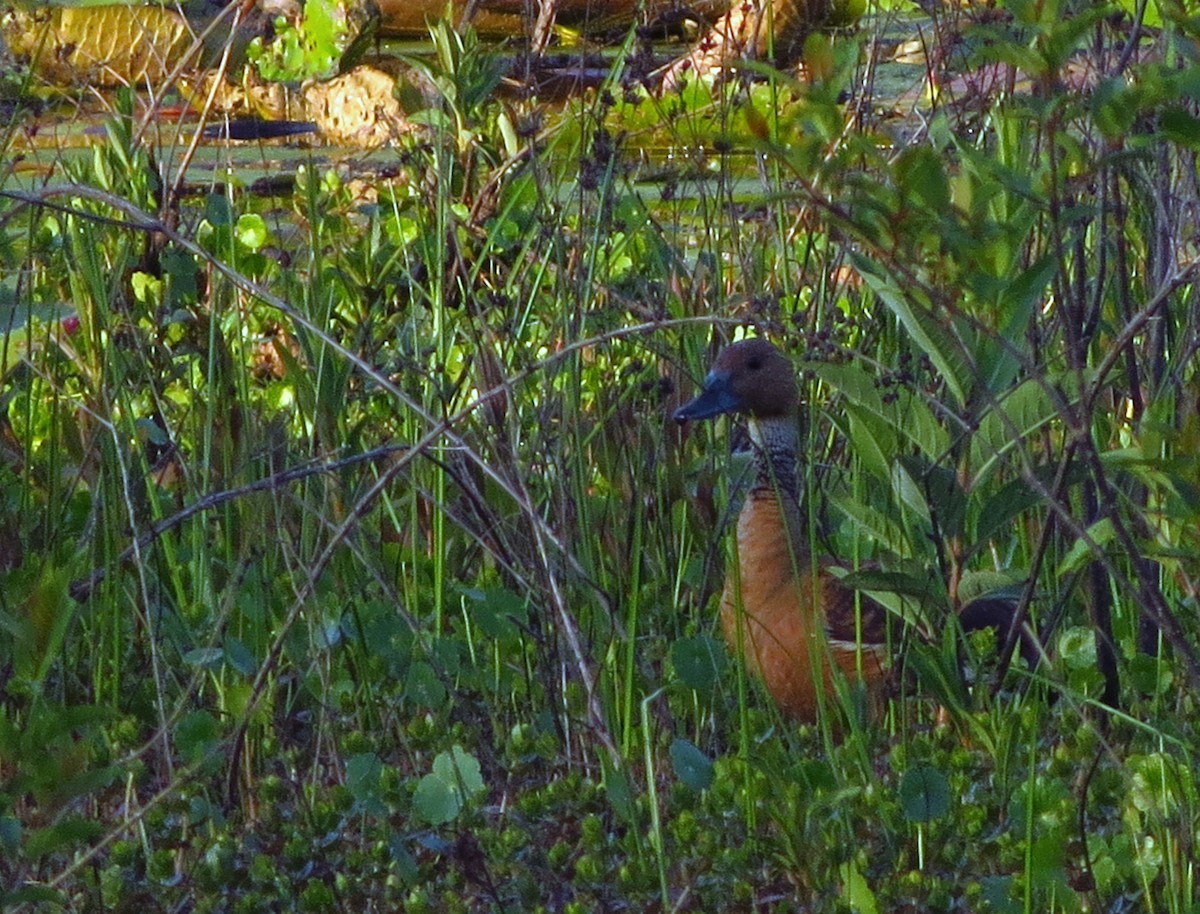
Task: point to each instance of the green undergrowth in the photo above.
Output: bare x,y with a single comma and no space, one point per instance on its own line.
350,561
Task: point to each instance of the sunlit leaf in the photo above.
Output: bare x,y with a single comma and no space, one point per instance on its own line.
930,335
857,891
1099,535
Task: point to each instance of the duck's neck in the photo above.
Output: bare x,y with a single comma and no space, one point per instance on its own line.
775,441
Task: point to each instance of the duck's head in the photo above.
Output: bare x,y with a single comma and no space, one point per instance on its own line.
751,377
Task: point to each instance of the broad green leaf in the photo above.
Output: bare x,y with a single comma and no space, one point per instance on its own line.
460,768
915,420
195,734
875,524
252,231
871,439
1014,498
1019,414
86,783
441,794
930,334
362,774
498,611
72,832
921,177
1161,784
908,491
856,891
1077,647
907,596
997,891
883,425
691,765
998,511
975,584
699,662
871,442
937,492
1149,675
1100,533
618,791
207,657
436,801
423,687
849,380
238,656
924,793
998,365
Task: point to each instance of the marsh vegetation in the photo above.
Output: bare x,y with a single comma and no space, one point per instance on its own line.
350,561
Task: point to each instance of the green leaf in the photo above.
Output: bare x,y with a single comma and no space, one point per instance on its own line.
924,793
1150,675
1077,648
1025,410
691,765
195,734
922,178
898,582
1181,127
998,511
436,801
363,778
441,794
998,365
206,657
498,611
876,428
908,490
619,793
31,894
423,687
997,891
856,891
459,768
877,525
872,443
870,432
985,583
252,231
363,772
939,492
931,335
699,662
239,657
73,831
1100,534
86,783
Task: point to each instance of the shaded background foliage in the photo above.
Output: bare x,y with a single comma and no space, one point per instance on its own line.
350,560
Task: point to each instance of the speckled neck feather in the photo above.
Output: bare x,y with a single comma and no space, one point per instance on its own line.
775,440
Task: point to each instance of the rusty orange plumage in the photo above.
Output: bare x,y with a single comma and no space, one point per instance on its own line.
785,611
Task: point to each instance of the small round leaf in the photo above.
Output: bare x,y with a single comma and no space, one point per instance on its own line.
691,765
924,793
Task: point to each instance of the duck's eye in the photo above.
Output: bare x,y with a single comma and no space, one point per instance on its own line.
754,364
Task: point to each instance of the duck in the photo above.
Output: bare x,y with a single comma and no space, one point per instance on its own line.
784,609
